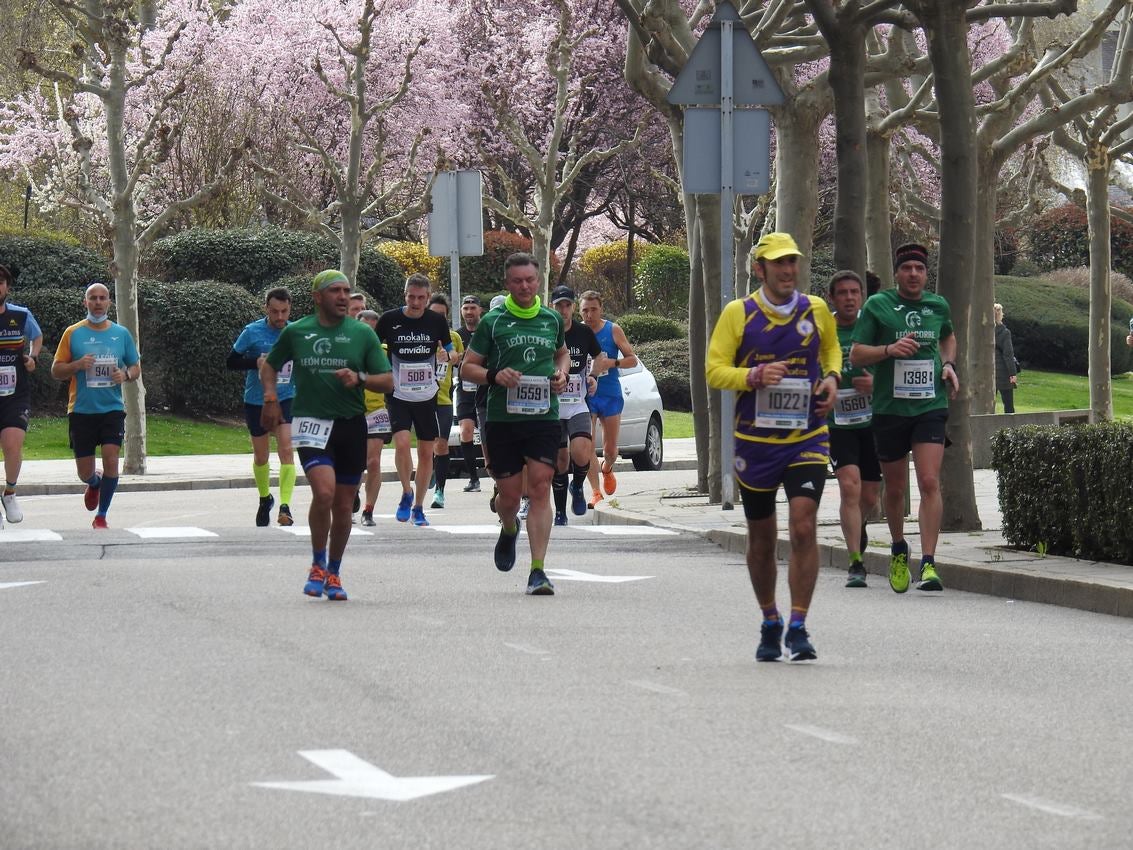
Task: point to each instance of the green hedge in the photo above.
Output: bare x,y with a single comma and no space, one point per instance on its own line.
1067,489
643,327
48,263
1060,238
668,361
661,281
1049,325
485,273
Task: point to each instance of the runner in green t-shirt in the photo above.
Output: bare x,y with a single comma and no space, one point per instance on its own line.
852,451
334,359
520,353
907,333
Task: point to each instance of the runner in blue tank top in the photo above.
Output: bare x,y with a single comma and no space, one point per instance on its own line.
607,402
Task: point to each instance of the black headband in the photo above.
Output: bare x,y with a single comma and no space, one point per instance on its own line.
909,252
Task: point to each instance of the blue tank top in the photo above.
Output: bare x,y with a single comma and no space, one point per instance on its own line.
609,384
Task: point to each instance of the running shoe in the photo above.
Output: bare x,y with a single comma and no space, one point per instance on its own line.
419,516
799,647
929,579
577,498
285,517
368,519
438,499
12,509
316,578
560,518
539,585
899,571
90,495
472,486
333,588
770,640
404,506
595,498
263,514
524,507
609,481
99,522
505,551
855,577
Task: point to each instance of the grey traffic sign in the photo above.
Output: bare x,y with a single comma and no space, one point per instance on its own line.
699,82
751,140
456,215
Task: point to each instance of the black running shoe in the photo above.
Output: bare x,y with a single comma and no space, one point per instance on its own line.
770,640
263,515
472,486
505,550
855,576
799,647
539,585
284,518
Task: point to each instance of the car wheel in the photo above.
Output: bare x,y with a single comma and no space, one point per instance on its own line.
650,460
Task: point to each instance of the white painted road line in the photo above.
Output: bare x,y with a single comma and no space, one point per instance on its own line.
658,689
1052,807
527,648
28,535
577,575
305,531
823,734
358,778
471,529
630,530
177,532
5,585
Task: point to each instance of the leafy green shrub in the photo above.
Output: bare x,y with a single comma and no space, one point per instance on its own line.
604,268
1024,266
413,258
661,281
1060,238
1065,488
183,356
54,310
1049,325
380,277
644,327
668,361
486,272
50,264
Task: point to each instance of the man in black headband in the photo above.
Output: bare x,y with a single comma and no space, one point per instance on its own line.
907,333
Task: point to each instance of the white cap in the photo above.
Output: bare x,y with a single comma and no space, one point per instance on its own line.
498,301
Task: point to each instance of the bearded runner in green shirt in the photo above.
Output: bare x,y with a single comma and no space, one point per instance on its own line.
907,333
335,358
852,452
520,353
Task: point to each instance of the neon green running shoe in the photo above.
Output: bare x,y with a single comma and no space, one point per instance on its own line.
899,572
929,579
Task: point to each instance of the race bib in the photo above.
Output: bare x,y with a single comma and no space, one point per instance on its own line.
283,376
852,408
914,379
377,422
98,373
7,380
573,393
416,380
531,397
442,372
468,387
785,405
310,433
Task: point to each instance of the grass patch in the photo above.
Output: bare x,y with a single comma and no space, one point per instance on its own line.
677,425
1059,391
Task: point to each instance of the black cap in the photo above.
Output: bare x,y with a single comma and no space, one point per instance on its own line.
471,299
562,293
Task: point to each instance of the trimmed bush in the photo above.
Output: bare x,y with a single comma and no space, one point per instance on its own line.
668,361
380,277
486,272
661,281
644,327
603,268
1079,278
1060,238
50,264
1065,488
1049,325
413,258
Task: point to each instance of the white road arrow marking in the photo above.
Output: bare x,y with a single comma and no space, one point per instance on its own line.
630,530
177,532
4,585
823,734
305,531
576,575
471,529
1052,807
358,778
658,689
29,535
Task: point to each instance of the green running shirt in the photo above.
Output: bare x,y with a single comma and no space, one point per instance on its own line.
852,410
506,341
906,386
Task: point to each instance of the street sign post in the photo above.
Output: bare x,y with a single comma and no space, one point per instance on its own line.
456,224
726,70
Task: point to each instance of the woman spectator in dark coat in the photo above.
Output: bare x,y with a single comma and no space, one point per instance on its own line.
1005,369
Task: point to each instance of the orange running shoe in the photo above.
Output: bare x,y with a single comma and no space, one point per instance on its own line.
334,590
609,480
316,578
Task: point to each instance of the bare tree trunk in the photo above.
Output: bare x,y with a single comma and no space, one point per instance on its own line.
1101,292
350,248
878,224
978,361
796,168
847,79
947,32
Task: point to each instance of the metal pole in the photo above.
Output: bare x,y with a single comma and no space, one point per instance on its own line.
727,259
454,251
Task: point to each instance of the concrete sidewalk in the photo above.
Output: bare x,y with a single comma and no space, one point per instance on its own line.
979,562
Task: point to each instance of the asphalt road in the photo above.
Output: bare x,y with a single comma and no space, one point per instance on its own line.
155,689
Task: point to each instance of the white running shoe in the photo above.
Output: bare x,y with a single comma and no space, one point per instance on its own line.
12,508
524,507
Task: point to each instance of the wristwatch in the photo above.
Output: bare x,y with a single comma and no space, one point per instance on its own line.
362,376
